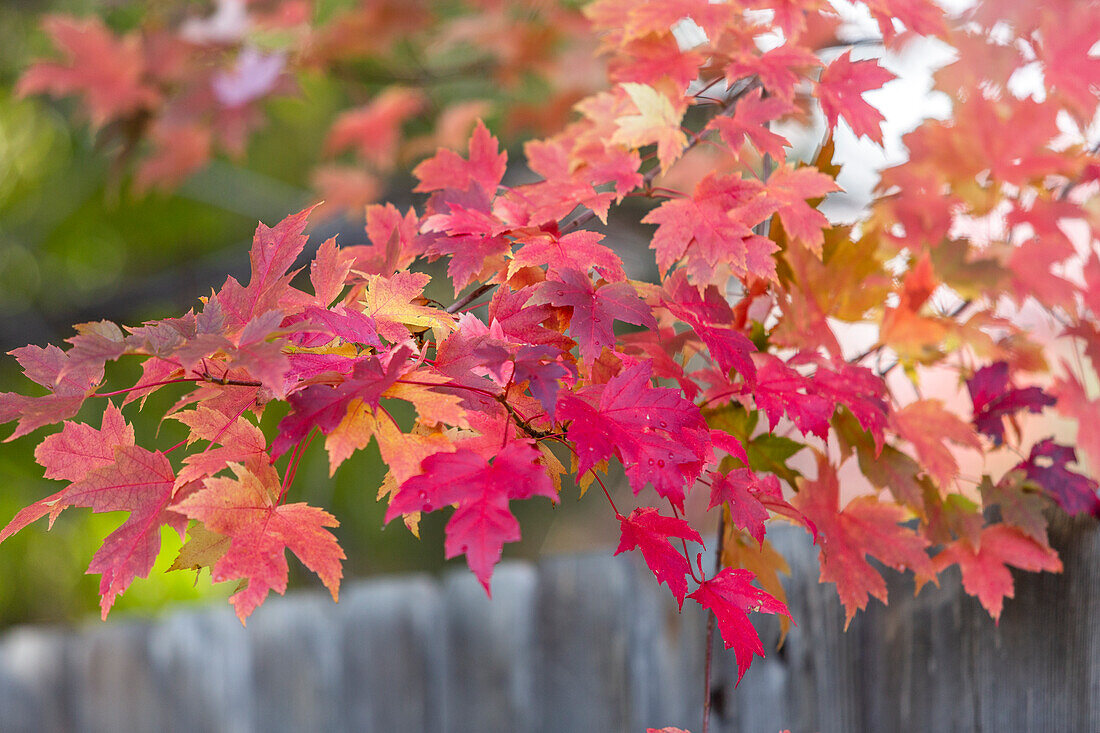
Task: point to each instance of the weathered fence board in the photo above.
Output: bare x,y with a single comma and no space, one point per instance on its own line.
581,643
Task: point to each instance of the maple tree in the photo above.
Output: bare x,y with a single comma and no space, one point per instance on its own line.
726,388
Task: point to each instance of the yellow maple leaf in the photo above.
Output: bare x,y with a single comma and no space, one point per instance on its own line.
393,304
657,122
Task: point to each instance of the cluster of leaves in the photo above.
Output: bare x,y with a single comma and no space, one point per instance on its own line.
185,85
726,384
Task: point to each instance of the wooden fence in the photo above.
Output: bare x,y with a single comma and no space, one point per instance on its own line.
575,644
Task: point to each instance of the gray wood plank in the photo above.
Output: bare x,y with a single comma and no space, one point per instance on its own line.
490,643
33,696
582,643
204,658
393,641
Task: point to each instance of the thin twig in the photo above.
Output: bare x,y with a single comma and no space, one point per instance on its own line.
721,544
470,297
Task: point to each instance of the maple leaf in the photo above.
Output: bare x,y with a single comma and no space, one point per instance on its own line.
926,424
329,271
730,595
260,530
542,369
658,435
375,128
79,448
658,16
482,521
238,439
866,526
69,456
714,226
841,89
1074,402
578,250
68,387
791,187
594,309
860,390
274,250
129,479
778,69
739,550
462,225
994,400
750,121
657,121
749,499
920,16
396,305
984,568
485,166
107,71
780,390
1020,502
708,316
395,241
1047,467
647,530
652,58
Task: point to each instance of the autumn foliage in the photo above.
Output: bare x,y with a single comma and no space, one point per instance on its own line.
728,389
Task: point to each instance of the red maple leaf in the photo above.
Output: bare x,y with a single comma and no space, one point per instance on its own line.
926,424
484,166
395,241
1074,401
750,120
260,530
482,521
329,271
375,128
780,390
140,482
994,399
984,568
730,595
594,309
108,71
578,250
652,533
68,389
859,389
866,526
791,187
462,225
1047,466
69,456
659,436
919,16
715,225
710,317
750,498
274,250
841,89
109,473
778,69
237,438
